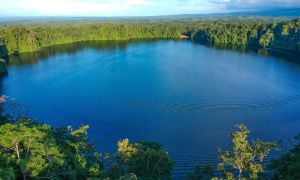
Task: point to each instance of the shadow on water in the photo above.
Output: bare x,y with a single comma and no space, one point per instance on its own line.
2,90
70,48
281,55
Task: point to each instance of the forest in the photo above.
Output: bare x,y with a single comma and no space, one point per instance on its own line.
278,34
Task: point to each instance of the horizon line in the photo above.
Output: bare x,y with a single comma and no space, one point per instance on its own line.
143,16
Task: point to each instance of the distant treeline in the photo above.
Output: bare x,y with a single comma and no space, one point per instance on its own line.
276,34
20,39
282,35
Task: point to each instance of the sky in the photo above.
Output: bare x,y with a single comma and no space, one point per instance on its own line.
134,7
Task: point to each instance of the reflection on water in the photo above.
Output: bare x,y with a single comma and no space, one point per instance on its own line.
72,48
289,56
185,95
2,86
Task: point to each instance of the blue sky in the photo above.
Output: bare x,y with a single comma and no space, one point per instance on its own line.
133,7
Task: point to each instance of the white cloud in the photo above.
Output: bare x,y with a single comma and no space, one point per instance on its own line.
261,4
132,7
74,7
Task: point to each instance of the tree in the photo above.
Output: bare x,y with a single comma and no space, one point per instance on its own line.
130,176
3,66
247,159
115,171
31,150
288,165
285,30
6,169
20,38
145,159
23,144
201,173
3,49
266,39
126,150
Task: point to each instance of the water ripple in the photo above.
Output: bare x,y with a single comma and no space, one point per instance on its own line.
184,104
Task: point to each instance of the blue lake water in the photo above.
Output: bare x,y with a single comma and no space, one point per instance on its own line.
184,95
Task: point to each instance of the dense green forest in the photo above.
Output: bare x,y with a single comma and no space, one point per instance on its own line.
284,34
29,150
25,39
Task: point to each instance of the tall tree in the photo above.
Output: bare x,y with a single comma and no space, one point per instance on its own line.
246,158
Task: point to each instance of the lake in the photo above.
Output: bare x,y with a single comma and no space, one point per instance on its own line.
184,95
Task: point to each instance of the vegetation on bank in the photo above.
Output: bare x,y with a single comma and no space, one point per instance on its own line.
19,39
288,166
244,161
22,38
282,35
29,150
3,66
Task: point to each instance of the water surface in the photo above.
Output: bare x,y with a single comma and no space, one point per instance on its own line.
184,95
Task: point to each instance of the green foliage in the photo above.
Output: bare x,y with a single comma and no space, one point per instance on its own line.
145,159
130,176
30,150
285,30
3,66
20,38
3,49
125,150
247,159
282,35
287,167
151,163
115,171
6,170
201,173
266,39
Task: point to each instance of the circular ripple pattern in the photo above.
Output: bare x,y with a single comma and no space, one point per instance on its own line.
195,104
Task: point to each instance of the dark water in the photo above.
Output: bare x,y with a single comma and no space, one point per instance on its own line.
186,96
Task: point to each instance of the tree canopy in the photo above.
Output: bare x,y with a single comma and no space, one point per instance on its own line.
288,165
283,34
30,150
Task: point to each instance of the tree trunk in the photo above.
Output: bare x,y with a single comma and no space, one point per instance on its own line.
240,173
17,150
